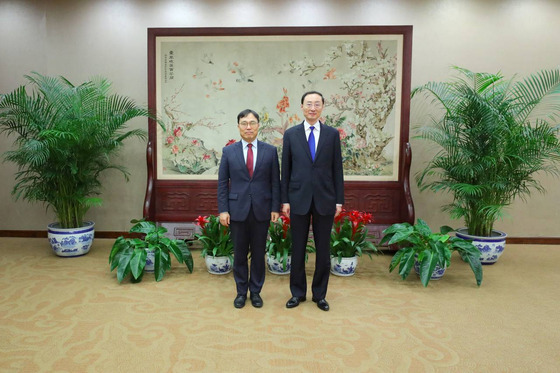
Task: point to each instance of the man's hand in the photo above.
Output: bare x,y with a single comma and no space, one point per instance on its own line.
224,219
338,210
286,209
274,216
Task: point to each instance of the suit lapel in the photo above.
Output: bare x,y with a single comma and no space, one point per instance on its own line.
239,156
260,156
303,140
322,140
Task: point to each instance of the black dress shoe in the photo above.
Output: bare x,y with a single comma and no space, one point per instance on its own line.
239,301
256,300
321,303
294,302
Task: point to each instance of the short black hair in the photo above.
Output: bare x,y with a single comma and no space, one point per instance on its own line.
246,112
312,93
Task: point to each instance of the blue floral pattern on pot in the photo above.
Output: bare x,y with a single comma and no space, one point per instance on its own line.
436,274
71,242
276,267
346,267
150,261
491,248
218,265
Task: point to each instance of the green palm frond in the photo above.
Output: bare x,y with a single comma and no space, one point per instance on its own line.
537,96
494,136
66,135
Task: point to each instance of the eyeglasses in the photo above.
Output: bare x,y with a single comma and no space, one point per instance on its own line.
316,105
247,124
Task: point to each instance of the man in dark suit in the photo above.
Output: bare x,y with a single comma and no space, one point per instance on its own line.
312,191
248,199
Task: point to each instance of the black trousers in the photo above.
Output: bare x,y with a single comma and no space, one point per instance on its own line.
322,225
249,236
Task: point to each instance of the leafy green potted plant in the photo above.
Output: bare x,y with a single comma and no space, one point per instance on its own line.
279,246
65,137
494,136
217,246
429,253
349,239
152,253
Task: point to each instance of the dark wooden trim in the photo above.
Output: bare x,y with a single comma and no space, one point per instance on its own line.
148,205
28,234
533,240
115,234
182,201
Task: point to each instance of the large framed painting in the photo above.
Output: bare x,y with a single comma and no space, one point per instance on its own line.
199,79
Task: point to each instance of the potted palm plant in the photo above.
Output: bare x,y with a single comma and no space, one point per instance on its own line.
494,136
349,239
65,137
217,245
152,253
427,252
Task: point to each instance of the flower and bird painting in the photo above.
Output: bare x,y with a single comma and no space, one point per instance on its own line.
204,82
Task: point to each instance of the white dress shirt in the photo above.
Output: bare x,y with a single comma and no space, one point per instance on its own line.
316,132
245,148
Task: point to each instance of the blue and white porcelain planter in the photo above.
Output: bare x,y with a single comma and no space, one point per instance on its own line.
491,248
436,274
150,260
346,267
276,267
218,265
69,242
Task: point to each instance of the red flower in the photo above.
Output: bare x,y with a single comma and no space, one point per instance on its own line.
201,221
357,220
330,74
342,133
340,216
232,141
284,103
285,220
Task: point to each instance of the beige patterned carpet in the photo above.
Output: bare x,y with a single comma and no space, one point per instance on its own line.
71,315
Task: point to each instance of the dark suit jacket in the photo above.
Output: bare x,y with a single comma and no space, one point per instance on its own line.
237,192
304,180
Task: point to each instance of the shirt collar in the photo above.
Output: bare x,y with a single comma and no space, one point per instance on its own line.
316,126
244,143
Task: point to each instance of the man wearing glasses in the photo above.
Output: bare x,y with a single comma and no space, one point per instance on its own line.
248,199
312,192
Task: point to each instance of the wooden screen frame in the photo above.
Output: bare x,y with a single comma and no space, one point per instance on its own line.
178,202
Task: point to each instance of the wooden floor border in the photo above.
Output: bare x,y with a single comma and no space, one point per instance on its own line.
115,234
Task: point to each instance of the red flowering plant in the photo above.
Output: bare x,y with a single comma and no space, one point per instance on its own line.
214,237
279,244
349,236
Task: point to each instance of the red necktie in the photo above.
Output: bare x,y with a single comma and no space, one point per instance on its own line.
250,159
